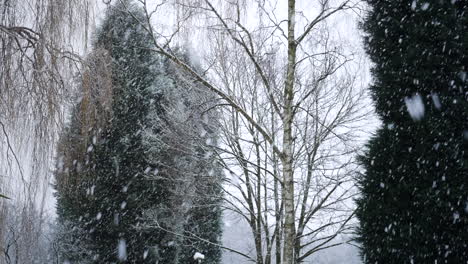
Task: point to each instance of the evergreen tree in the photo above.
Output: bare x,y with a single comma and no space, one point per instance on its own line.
108,191
121,189
183,141
137,178
74,172
414,202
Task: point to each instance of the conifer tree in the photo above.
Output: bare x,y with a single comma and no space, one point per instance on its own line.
121,190
137,178
184,141
74,172
414,202
112,190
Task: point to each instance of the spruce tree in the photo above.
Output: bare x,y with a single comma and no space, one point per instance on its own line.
414,202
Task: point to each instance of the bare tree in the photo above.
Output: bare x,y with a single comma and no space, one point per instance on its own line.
38,60
323,130
22,229
293,102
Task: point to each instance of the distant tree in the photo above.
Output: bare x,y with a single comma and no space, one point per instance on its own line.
414,202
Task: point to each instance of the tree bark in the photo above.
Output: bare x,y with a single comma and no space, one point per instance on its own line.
287,159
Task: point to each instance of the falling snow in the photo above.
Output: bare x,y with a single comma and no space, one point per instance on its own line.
122,250
415,106
198,256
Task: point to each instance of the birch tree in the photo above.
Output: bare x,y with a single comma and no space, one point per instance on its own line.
323,130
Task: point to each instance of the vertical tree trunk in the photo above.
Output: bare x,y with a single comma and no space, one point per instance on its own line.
278,207
288,176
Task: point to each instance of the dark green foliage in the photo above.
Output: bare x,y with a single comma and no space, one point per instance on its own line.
414,203
205,222
73,183
111,191
185,137
132,172
122,193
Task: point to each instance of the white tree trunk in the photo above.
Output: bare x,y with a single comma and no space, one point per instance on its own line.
287,159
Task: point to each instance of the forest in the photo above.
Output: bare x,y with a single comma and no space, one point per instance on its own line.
233,131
